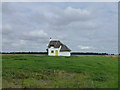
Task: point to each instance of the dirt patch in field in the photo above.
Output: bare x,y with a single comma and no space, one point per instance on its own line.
112,56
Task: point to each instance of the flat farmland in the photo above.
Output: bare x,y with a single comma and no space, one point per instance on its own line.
42,71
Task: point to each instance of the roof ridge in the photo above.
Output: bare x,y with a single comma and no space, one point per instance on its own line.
57,44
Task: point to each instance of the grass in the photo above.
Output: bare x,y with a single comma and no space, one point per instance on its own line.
37,71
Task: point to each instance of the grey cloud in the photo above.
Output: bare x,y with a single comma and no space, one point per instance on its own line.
84,47
28,26
6,29
71,15
6,8
63,17
35,34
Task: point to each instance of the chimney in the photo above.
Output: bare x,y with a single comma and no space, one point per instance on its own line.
50,38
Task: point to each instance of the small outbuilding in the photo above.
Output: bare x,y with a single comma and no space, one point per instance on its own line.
56,48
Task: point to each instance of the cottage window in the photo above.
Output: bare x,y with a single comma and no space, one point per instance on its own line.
52,51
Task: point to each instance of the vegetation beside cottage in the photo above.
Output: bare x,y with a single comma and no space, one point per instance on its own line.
41,71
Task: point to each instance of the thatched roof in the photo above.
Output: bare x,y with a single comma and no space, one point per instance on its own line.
57,44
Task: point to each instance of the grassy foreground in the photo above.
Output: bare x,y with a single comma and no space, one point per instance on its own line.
36,71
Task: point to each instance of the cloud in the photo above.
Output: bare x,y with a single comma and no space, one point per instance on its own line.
6,41
61,37
36,37
6,29
18,43
69,15
28,26
36,34
76,14
0,29
6,8
23,42
58,16
84,47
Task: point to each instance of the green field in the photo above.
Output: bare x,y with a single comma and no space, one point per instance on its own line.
37,71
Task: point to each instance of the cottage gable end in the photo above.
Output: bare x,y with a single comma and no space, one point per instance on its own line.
56,48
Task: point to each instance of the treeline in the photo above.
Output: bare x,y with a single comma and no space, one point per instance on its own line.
89,53
45,53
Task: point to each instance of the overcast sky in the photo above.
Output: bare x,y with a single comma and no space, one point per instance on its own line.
83,26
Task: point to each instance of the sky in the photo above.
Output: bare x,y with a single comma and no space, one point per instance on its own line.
82,26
